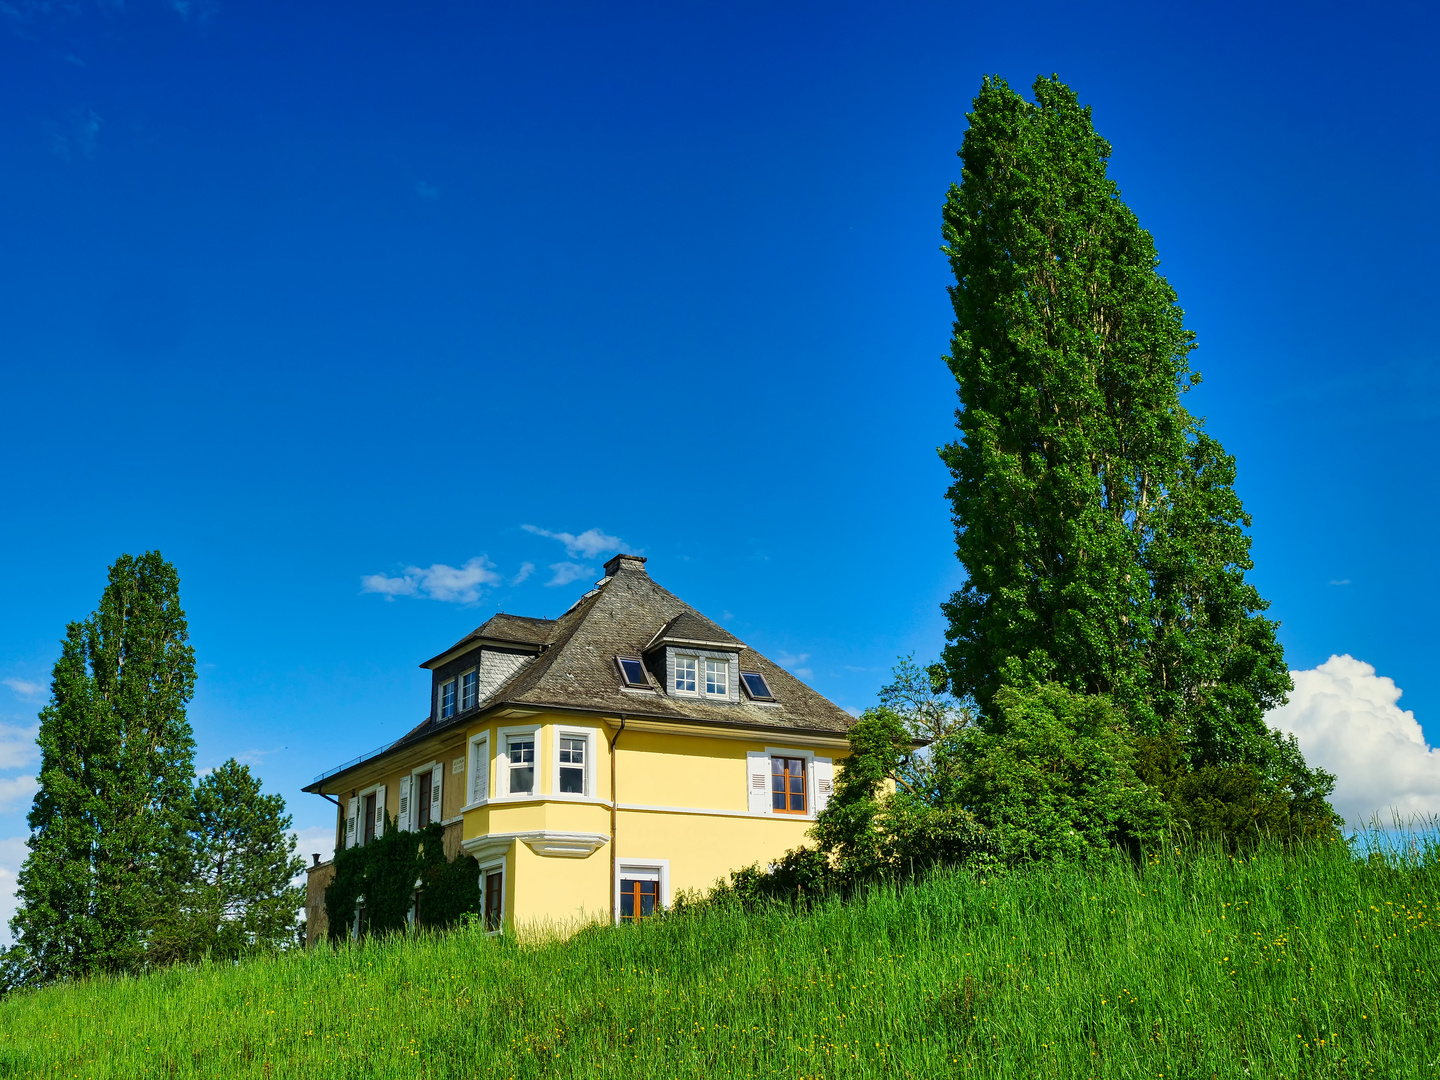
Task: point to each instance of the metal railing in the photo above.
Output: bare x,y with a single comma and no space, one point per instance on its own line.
353,762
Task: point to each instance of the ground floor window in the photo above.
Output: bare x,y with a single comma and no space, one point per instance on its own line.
494,898
640,896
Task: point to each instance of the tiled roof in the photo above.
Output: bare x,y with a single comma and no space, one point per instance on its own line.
692,626
622,617
519,629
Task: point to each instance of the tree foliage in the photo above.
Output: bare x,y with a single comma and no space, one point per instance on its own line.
116,765
1105,546
235,867
1051,775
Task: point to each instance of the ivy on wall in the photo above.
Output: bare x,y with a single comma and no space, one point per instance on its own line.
385,876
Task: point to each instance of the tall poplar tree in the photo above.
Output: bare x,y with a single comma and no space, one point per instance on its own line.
1105,546
115,781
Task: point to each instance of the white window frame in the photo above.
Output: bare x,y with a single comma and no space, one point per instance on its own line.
675,675
460,690
591,737
485,870
502,760
725,665
440,713
628,864
732,661
478,763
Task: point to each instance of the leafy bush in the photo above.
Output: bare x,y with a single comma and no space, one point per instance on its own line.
1051,775
398,873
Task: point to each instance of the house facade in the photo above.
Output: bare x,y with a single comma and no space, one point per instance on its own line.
598,763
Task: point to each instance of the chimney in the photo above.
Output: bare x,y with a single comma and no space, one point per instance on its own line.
626,562
316,857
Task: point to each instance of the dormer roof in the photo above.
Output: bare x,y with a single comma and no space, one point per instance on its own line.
501,629
693,629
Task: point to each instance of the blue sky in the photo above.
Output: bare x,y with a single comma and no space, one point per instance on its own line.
304,293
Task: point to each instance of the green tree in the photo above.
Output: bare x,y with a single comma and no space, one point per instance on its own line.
115,776
1105,546
1050,774
235,872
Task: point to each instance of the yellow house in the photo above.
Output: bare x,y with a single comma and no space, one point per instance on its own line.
598,763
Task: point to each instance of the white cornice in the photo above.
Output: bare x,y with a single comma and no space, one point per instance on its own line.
546,842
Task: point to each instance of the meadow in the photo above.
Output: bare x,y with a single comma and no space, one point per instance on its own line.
1317,963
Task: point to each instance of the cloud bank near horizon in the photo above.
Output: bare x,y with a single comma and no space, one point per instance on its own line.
1347,721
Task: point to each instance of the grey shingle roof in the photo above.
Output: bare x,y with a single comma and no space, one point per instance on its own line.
692,626
520,629
622,617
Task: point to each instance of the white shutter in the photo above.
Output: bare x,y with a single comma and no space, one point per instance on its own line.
757,780
480,771
824,771
404,816
350,822
435,776
380,811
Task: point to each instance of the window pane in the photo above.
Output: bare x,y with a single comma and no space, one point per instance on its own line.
468,688
634,672
685,667
522,780
717,677
572,781
522,751
755,683
627,900
422,799
493,882
648,892
447,699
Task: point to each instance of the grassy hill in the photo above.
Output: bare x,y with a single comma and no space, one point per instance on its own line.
1308,965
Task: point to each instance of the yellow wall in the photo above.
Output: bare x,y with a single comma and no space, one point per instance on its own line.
701,774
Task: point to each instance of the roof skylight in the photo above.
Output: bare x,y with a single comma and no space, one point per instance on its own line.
756,686
632,672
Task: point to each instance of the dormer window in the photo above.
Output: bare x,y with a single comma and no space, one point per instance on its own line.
447,699
685,669
469,689
632,673
699,673
717,677
756,686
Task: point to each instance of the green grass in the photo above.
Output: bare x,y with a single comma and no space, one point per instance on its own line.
1306,965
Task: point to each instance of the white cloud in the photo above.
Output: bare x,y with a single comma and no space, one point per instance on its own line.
566,572
459,585
17,791
428,192
588,544
1341,581
17,746
796,664
1346,720
526,569
24,687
